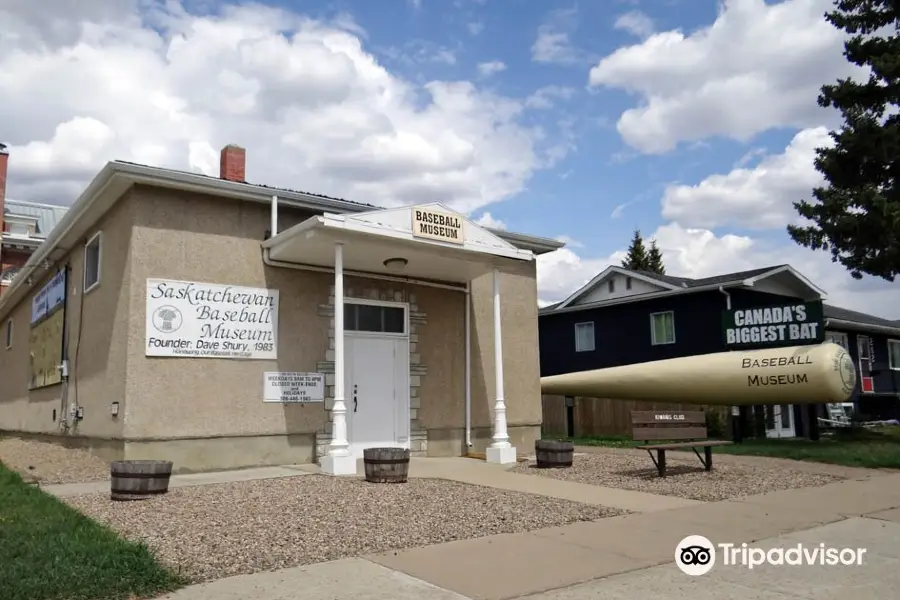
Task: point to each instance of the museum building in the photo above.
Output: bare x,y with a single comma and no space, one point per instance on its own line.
220,324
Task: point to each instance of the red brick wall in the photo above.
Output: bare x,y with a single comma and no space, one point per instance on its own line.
11,258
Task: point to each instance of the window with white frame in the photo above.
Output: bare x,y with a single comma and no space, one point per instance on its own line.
612,286
92,260
894,354
662,328
9,334
374,318
584,337
628,283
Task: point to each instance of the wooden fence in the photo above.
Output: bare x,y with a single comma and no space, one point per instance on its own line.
601,416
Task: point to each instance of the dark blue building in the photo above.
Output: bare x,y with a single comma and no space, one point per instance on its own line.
625,317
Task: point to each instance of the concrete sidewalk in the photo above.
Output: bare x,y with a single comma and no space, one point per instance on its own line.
623,557
176,481
509,566
464,470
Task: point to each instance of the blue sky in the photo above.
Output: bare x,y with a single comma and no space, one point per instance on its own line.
602,173
693,120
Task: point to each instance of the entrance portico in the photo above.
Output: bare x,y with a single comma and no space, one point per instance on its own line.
424,245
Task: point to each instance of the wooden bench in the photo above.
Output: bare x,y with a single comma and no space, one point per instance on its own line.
688,425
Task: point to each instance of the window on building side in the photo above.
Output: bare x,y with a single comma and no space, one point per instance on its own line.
894,354
584,337
662,328
838,338
9,334
628,283
92,261
612,286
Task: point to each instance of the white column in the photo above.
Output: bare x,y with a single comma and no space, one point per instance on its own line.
338,461
500,451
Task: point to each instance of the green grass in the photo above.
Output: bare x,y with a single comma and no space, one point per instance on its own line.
877,448
48,550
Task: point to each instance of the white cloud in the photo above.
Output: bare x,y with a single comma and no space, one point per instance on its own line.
486,69
760,65
475,27
757,198
700,253
488,220
314,109
636,23
553,43
546,96
619,210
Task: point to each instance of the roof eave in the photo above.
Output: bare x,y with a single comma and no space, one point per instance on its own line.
642,297
864,327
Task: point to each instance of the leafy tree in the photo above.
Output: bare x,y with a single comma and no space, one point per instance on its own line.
655,259
636,259
856,216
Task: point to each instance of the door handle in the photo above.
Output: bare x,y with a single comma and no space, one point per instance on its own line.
354,398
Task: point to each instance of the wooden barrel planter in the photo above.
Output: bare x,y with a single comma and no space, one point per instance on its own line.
554,454
386,465
139,479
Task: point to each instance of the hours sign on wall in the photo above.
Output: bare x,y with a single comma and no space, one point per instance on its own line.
282,386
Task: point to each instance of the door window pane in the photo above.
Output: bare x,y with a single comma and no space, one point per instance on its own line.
368,317
394,319
374,318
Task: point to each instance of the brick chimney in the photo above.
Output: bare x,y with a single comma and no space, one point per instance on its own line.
233,163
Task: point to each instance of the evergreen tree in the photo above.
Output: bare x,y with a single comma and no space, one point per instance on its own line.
655,259
636,259
856,216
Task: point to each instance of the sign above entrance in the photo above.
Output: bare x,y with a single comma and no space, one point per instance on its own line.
437,225
773,326
293,387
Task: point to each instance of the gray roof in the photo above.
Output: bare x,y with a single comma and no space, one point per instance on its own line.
718,279
47,215
843,314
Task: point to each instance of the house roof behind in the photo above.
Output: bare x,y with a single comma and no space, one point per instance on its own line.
47,215
843,314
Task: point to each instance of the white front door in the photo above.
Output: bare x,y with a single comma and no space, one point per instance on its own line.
780,421
377,391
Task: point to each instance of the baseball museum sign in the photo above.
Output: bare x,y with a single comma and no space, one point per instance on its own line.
794,324
188,319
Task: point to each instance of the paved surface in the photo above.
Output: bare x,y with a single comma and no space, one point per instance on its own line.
93,487
630,556
465,470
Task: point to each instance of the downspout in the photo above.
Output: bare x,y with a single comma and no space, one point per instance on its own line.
727,297
274,225
468,365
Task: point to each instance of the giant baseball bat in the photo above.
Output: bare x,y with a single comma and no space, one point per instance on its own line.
814,374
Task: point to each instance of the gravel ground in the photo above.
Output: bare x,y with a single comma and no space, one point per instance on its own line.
215,531
51,463
685,476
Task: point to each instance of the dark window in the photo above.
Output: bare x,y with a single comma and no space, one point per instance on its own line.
374,318
628,283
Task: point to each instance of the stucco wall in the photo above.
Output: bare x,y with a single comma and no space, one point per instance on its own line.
96,352
208,413
185,237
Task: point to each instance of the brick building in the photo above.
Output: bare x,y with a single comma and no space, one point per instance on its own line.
24,226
